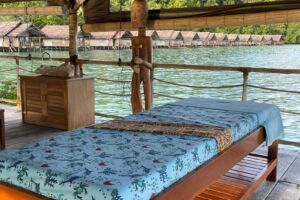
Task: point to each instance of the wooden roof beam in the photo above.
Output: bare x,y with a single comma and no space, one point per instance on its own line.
49,2
271,17
45,10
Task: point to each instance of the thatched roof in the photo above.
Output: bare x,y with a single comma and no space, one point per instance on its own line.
189,35
103,35
220,37
257,38
170,35
123,35
24,30
60,31
7,26
233,37
203,35
211,37
277,38
268,38
151,33
56,31
245,38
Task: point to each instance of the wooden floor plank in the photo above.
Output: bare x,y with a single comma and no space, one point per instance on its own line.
285,191
286,158
293,174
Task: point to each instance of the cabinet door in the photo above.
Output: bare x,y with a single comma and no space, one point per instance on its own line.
33,105
56,101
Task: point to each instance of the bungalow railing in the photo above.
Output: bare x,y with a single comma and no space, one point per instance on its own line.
244,70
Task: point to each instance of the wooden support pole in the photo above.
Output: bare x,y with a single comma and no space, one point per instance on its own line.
245,85
73,26
273,154
2,130
46,10
18,84
142,56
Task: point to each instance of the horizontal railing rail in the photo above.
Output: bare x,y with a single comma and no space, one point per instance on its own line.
244,70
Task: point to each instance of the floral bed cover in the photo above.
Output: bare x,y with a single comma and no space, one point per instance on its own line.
102,164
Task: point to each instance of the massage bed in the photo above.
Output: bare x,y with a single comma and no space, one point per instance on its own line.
189,149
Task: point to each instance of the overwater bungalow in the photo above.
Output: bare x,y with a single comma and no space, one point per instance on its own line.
245,40
233,39
101,40
203,38
193,148
190,38
258,39
221,39
59,40
268,40
278,39
55,39
5,28
122,39
211,40
169,38
26,36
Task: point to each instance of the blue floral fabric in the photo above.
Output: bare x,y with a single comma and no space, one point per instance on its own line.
98,164
103,164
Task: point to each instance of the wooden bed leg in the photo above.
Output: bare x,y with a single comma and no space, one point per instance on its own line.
2,130
273,154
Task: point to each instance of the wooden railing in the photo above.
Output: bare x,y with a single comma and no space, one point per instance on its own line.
246,71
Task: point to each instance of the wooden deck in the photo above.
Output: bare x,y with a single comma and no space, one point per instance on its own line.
286,188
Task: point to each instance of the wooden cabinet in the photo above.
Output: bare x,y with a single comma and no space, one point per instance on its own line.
64,103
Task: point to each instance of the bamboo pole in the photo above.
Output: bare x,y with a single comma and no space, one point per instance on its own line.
18,84
46,10
73,26
245,85
271,17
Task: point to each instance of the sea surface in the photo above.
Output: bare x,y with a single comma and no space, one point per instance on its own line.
286,57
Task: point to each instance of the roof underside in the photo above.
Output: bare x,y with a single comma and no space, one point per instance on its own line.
98,11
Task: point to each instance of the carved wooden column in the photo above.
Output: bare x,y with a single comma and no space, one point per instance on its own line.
142,57
73,26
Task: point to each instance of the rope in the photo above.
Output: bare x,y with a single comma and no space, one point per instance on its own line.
26,70
272,89
168,96
115,81
107,116
7,81
199,87
290,112
7,70
112,94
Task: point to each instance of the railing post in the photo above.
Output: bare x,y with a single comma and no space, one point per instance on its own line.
18,84
2,130
245,85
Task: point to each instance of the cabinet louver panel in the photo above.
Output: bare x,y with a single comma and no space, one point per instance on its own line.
56,104
64,103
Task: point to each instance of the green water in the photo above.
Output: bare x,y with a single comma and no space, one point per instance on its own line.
287,56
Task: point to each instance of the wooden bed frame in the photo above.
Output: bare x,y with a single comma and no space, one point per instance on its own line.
230,173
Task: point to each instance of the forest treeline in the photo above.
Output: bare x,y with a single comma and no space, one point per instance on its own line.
291,31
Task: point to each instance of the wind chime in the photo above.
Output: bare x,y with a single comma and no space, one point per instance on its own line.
141,58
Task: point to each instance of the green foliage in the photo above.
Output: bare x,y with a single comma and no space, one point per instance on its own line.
8,90
290,31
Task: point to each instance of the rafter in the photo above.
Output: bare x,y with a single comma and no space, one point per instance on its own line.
271,17
46,10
